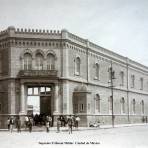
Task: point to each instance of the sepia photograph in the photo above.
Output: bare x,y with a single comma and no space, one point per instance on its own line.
73,73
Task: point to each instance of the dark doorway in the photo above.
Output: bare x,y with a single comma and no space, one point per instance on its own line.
45,105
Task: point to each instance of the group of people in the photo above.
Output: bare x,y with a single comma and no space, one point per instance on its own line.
62,121
71,121
16,122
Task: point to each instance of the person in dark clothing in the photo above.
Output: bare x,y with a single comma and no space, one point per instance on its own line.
70,123
18,124
8,123
30,125
58,125
11,124
47,123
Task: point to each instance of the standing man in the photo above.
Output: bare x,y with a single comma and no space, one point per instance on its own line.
70,123
58,125
77,119
18,124
30,125
11,124
47,124
26,122
8,123
50,121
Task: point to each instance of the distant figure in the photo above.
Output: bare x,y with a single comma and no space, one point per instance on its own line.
8,123
70,123
11,124
47,124
58,125
62,120
18,124
77,119
50,121
26,121
30,123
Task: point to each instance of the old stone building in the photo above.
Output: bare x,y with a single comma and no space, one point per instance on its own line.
69,75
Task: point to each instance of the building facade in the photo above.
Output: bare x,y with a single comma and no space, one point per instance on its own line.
70,75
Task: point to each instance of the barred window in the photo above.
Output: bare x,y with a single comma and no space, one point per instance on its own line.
81,107
27,61
50,61
39,61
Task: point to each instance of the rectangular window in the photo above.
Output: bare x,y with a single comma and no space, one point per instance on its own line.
141,83
48,89
42,90
35,91
97,71
81,107
30,91
122,78
132,81
122,106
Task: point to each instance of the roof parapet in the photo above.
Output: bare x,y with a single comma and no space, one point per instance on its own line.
37,31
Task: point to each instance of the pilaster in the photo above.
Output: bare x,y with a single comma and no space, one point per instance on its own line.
11,97
22,100
65,61
66,105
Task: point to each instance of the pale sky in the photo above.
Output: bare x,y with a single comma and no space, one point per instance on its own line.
118,25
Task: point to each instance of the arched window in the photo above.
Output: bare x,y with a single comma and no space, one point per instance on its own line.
39,61
27,61
134,106
97,70
50,61
97,102
122,105
142,107
110,104
77,67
